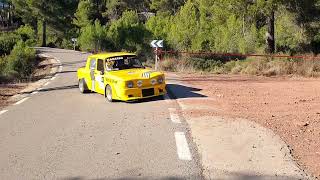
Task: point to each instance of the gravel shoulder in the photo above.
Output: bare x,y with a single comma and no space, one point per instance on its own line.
283,111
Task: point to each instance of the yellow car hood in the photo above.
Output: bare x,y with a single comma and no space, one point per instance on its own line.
134,74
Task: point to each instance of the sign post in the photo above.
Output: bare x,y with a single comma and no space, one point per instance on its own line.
74,40
157,44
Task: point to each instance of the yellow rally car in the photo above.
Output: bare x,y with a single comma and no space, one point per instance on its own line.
120,76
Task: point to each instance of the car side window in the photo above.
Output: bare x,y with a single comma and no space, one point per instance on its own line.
92,64
100,66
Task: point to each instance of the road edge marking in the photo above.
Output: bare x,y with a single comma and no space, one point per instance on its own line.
182,146
21,101
174,116
3,111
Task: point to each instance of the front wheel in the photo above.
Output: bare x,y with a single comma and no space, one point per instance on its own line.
108,93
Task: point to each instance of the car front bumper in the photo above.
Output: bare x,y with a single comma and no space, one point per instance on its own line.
131,94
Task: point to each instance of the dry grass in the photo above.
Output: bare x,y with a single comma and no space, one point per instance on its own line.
251,66
176,65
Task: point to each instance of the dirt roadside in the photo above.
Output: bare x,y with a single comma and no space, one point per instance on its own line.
13,92
289,107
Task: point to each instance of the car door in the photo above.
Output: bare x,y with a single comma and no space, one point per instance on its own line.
98,75
92,68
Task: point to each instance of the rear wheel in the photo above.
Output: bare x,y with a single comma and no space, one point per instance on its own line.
108,93
83,86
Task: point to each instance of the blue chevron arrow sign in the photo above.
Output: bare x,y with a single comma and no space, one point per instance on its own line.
157,43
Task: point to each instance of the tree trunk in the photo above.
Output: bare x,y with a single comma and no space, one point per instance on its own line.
9,15
4,15
270,39
44,33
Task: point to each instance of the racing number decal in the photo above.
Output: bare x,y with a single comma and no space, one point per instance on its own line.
100,81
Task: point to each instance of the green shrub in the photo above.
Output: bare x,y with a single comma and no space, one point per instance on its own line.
66,44
289,35
2,65
209,65
94,37
27,34
127,33
21,62
7,42
9,39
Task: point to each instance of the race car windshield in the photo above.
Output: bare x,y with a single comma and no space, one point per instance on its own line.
123,63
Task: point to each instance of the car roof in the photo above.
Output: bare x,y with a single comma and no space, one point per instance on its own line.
111,54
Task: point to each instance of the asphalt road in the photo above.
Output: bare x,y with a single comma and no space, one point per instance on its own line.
59,133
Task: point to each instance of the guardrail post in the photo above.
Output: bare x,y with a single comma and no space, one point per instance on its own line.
156,61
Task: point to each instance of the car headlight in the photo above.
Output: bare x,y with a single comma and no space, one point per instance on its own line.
153,81
160,80
130,84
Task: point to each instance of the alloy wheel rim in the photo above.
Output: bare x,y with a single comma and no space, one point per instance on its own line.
108,94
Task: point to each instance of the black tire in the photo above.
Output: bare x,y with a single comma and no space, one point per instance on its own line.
83,88
108,93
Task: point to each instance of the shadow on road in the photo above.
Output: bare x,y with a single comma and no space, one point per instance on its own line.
181,92
59,88
53,89
63,72
146,100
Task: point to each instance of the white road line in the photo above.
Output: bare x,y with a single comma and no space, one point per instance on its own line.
21,101
182,146
3,111
34,92
47,83
53,78
174,116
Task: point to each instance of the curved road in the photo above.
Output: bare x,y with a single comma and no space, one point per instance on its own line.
59,133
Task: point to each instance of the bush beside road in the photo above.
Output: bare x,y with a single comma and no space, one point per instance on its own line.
12,91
